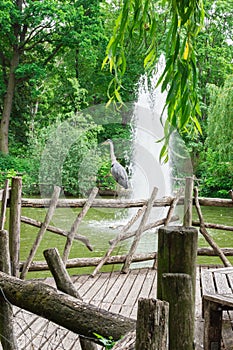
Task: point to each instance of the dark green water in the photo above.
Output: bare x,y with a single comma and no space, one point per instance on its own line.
99,226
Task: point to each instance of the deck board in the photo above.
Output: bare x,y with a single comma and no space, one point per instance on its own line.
117,293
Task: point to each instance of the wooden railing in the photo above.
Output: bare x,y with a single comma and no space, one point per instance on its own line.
13,198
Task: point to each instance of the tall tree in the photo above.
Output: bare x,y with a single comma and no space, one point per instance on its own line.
31,35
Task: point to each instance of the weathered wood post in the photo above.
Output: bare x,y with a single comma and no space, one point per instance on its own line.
177,251
7,336
177,291
14,224
188,202
152,325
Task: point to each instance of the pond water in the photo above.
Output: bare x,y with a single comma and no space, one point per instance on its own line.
101,225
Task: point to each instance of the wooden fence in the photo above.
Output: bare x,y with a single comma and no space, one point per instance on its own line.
12,197
177,250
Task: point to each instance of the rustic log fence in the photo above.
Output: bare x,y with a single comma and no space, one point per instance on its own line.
177,250
16,202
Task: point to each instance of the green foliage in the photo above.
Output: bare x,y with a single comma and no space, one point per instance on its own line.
180,74
217,168
15,166
107,343
214,49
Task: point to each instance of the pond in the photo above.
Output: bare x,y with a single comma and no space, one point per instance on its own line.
101,225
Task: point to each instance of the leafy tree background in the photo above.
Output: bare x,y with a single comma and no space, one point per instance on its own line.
51,53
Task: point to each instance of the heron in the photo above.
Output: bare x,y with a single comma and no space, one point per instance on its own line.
118,171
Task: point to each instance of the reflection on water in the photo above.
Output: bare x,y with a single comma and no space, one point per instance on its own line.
102,225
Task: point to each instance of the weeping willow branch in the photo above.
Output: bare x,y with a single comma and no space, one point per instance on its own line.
180,75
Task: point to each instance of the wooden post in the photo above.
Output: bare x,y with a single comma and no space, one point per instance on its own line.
14,224
64,284
177,290
152,325
188,201
4,204
7,335
212,326
76,224
139,231
42,230
177,252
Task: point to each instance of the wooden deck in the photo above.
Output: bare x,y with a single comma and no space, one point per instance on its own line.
115,292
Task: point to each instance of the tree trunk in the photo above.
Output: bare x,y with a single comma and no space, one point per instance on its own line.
7,105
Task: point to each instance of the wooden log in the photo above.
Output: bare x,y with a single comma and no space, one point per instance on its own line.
188,201
4,204
7,334
14,224
139,231
76,224
97,203
122,203
117,240
64,310
178,291
42,231
152,325
177,251
146,228
65,284
204,251
214,226
57,230
206,235
85,262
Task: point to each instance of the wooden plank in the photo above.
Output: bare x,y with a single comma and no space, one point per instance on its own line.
222,300
207,282
116,288
222,285
126,287
198,301
108,283
95,288
131,302
230,280
89,283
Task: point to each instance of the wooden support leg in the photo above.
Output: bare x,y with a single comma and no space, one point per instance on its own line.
212,326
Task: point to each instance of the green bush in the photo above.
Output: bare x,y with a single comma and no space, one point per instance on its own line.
11,166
